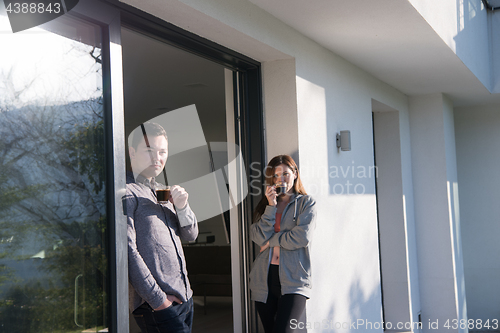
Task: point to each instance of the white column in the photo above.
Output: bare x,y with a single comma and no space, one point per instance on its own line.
436,212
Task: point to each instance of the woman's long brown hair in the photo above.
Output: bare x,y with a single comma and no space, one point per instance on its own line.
298,188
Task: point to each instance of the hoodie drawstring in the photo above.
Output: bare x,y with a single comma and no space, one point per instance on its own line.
295,211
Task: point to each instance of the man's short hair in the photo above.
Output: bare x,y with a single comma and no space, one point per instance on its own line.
152,129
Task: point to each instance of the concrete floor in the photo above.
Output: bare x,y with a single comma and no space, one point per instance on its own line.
218,317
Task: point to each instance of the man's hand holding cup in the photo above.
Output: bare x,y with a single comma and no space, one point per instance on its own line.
178,196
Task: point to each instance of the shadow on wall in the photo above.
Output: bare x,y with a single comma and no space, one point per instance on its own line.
356,321
346,276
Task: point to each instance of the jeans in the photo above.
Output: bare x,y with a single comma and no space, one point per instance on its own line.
281,313
177,318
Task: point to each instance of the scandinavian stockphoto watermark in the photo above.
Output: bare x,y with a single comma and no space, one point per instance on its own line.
359,324
25,14
342,179
364,324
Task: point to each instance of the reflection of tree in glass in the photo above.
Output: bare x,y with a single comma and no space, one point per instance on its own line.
52,215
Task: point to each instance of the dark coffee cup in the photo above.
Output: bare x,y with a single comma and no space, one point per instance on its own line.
163,195
280,188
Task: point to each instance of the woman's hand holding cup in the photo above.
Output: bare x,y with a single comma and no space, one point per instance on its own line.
271,195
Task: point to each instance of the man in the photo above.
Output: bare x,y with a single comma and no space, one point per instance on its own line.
161,297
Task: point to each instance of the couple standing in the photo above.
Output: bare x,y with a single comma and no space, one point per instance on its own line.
160,296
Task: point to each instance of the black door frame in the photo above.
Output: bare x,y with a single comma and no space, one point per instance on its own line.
108,18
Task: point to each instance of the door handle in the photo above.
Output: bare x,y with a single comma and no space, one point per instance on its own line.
76,299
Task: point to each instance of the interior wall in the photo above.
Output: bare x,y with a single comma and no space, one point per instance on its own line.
478,158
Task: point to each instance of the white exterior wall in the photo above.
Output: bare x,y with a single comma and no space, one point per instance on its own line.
441,277
278,77
332,96
478,158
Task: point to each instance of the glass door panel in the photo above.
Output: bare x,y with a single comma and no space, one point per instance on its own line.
53,226
192,98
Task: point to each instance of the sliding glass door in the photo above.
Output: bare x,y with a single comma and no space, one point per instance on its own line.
56,180
202,101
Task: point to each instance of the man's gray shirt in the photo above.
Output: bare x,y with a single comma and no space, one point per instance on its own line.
156,261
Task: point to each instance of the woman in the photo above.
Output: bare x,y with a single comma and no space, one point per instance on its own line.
280,280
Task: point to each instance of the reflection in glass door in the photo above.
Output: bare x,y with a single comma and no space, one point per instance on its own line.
53,227
192,98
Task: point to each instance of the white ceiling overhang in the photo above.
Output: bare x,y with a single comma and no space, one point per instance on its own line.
390,40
